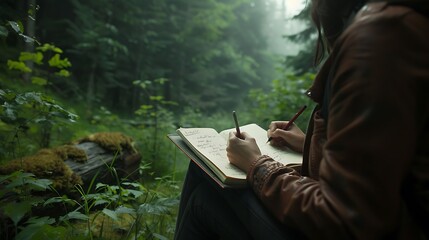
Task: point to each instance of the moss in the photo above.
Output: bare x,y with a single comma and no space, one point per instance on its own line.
111,141
71,152
49,163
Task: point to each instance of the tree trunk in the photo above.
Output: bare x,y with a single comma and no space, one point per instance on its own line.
90,91
30,30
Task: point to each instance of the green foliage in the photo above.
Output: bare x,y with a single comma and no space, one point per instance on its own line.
18,189
27,113
39,81
33,111
18,66
286,97
19,29
57,62
154,121
150,211
37,57
18,195
41,228
49,47
144,209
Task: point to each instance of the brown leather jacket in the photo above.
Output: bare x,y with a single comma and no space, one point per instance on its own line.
365,174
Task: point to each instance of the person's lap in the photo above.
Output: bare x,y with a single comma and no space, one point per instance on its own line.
210,212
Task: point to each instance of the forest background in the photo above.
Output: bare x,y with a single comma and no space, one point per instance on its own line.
72,68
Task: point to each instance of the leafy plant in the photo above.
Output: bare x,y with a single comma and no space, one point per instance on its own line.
33,106
55,62
28,112
155,120
18,28
19,195
134,210
130,207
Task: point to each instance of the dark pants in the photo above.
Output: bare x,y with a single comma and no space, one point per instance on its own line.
210,212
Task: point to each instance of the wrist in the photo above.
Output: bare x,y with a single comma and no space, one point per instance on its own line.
252,162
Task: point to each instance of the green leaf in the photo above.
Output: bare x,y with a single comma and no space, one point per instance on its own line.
53,200
63,73
16,27
20,179
74,215
156,98
39,221
27,38
111,214
9,111
28,97
134,184
72,117
49,47
39,81
155,209
101,185
57,62
161,80
7,95
42,232
17,210
39,184
28,56
125,210
18,66
101,202
136,193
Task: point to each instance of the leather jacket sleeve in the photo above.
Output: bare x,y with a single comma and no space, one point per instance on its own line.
377,114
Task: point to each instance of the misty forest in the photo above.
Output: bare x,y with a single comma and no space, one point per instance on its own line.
89,91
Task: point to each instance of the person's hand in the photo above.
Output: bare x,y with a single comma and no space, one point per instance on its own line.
293,137
243,151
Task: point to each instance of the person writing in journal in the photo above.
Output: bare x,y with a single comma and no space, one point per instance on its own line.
365,170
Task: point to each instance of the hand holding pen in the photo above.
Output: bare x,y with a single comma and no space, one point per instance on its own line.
242,149
286,133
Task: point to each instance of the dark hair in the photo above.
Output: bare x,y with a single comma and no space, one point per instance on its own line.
331,18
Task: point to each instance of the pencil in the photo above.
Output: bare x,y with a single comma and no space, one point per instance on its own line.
237,127
289,124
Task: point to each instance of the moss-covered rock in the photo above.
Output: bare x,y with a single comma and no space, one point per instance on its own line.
50,162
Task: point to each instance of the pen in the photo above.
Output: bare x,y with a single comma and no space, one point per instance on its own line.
292,120
237,127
